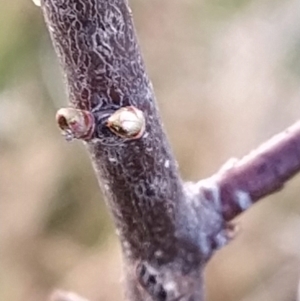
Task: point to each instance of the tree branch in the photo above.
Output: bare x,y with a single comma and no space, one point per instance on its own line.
264,171
95,42
167,230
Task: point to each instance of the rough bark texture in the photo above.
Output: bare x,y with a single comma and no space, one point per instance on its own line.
167,230
240,183
96,45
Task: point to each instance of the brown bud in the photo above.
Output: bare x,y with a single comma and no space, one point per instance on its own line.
127,122
75,123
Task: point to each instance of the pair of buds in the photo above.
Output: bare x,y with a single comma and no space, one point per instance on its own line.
127,122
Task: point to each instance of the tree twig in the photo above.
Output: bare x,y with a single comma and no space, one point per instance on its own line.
167,230
240,183
95,42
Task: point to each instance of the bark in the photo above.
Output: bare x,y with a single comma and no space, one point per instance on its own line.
97,48
240,183
167,230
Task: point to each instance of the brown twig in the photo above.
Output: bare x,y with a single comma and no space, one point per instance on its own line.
240,183
95,42
167,230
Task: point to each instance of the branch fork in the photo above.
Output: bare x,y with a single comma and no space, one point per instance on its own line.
168,230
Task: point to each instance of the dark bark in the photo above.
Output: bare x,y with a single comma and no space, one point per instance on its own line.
167,230
97,48
240,183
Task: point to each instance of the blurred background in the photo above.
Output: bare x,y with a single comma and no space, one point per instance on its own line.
227,77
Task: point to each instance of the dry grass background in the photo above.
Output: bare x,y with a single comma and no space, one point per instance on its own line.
227,77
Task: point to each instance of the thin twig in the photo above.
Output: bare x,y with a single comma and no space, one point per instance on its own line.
240,183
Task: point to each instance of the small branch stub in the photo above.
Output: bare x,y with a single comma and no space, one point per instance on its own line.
75,123
127,122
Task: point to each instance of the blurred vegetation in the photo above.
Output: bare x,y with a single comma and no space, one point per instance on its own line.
226,74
